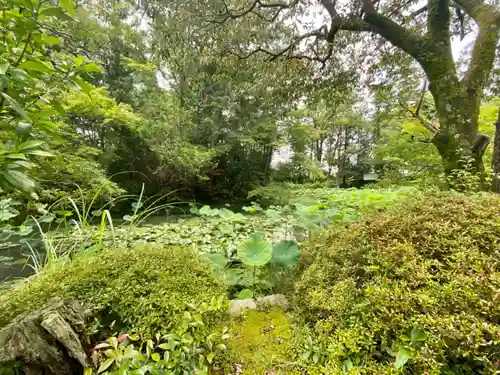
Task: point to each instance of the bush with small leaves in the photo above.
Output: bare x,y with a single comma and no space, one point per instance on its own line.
185,350
415,290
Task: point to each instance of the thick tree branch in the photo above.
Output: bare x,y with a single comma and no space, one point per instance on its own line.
229,14
391,31
289,51
480,11
419,11
438,23
330,8
487,18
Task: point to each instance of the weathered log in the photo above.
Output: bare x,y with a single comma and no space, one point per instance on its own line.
48,340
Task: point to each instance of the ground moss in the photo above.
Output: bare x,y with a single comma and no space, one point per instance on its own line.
260,341
145,289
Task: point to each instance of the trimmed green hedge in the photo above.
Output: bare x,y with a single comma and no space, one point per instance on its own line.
417,288
145,289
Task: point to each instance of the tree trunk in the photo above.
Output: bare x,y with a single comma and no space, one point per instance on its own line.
496,156
319,149
268,158
458,141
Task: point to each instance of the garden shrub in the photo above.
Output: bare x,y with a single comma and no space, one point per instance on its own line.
272,194
415,290
144,289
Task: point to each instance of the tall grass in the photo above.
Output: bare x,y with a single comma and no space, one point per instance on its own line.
53,256
89,225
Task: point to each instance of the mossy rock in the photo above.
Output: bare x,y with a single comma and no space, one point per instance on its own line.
144,289
420,283
260,342
45,341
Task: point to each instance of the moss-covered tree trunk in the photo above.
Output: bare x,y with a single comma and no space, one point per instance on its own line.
458,140
458,101
496,156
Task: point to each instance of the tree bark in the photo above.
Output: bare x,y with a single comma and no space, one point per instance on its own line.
496,156
268,158
458,141
47,341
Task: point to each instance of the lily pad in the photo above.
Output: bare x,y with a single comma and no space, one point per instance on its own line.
286,253
255,252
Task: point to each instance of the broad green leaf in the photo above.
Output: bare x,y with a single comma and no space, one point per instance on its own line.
418,335
105,365
16,156
226,228
404,338
245,294
19,180
84,85
210,357
15,106
38,152
22,164
4,81
402,357
36,65
206,211
57,12
4,67
305,356
9,213
347,365
51,40
79,60
92,67
255,252
233,277
218,260
389,350
87,371
286,253
24,128
155,357
30,144
68,6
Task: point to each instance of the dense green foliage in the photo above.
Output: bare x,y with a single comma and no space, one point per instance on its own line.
95,92
159,158
415,288
188,348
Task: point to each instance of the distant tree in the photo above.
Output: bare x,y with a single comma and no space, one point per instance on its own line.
424,33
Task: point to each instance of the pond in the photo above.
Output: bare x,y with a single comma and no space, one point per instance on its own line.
15,260
16,255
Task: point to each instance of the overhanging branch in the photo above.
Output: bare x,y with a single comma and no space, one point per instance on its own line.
371,21
289,51
254,8
416,115
487,18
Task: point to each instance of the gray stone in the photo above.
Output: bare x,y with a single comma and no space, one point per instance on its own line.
236,306
274,300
